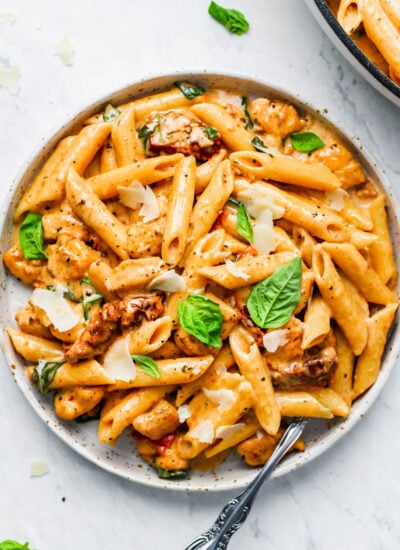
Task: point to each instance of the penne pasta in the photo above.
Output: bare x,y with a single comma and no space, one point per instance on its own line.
183,295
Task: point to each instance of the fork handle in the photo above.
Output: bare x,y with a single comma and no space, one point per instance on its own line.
235,512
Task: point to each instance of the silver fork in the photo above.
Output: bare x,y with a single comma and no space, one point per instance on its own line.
235,512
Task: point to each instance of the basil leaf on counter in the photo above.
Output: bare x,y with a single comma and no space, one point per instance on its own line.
13,545
306,142
202,318
31,237
168,474
211,132
249,122
190,91
44,373
271,303
110,113
244,225
148,365
233,20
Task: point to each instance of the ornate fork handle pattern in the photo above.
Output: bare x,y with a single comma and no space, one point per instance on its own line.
235,512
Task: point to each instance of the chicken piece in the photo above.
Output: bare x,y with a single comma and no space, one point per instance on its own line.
31,272
173,132
106,322
69,403
62,221
189,344
30,321
339,159
161,420
256,450
70,258
171,461
275,117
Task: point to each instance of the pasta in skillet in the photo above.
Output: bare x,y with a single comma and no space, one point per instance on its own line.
374,25
203,266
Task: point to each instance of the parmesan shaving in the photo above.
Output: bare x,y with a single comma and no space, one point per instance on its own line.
256,199
118,362
169,281
223,432
56,307
65,49
203,432
275,339
236,271
336,198
184,413
225,399
9,78
38,468
263,232
137,194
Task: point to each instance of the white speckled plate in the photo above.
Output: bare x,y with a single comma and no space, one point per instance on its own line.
349,49
123,459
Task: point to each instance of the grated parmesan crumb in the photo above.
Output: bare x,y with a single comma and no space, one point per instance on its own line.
9,78
65,49
38,468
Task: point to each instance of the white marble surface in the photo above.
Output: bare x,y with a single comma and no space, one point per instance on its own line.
349,497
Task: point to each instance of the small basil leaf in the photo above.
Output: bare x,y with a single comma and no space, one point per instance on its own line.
190,91
13,545
233,202
249,122
168,474
147,364
271,303
145,132
211,132
233,20
260,146
89,297
44,373
306,141
244,225
202,318
31,238
111,113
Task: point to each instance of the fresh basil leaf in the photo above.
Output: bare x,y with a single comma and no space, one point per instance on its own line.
89,297
233,20
202,318
190,91
147,364
244,225
249,122
168,474
44,373
211,132
306,141
145,132
111,113
31,237
271,303
260,146
13,545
